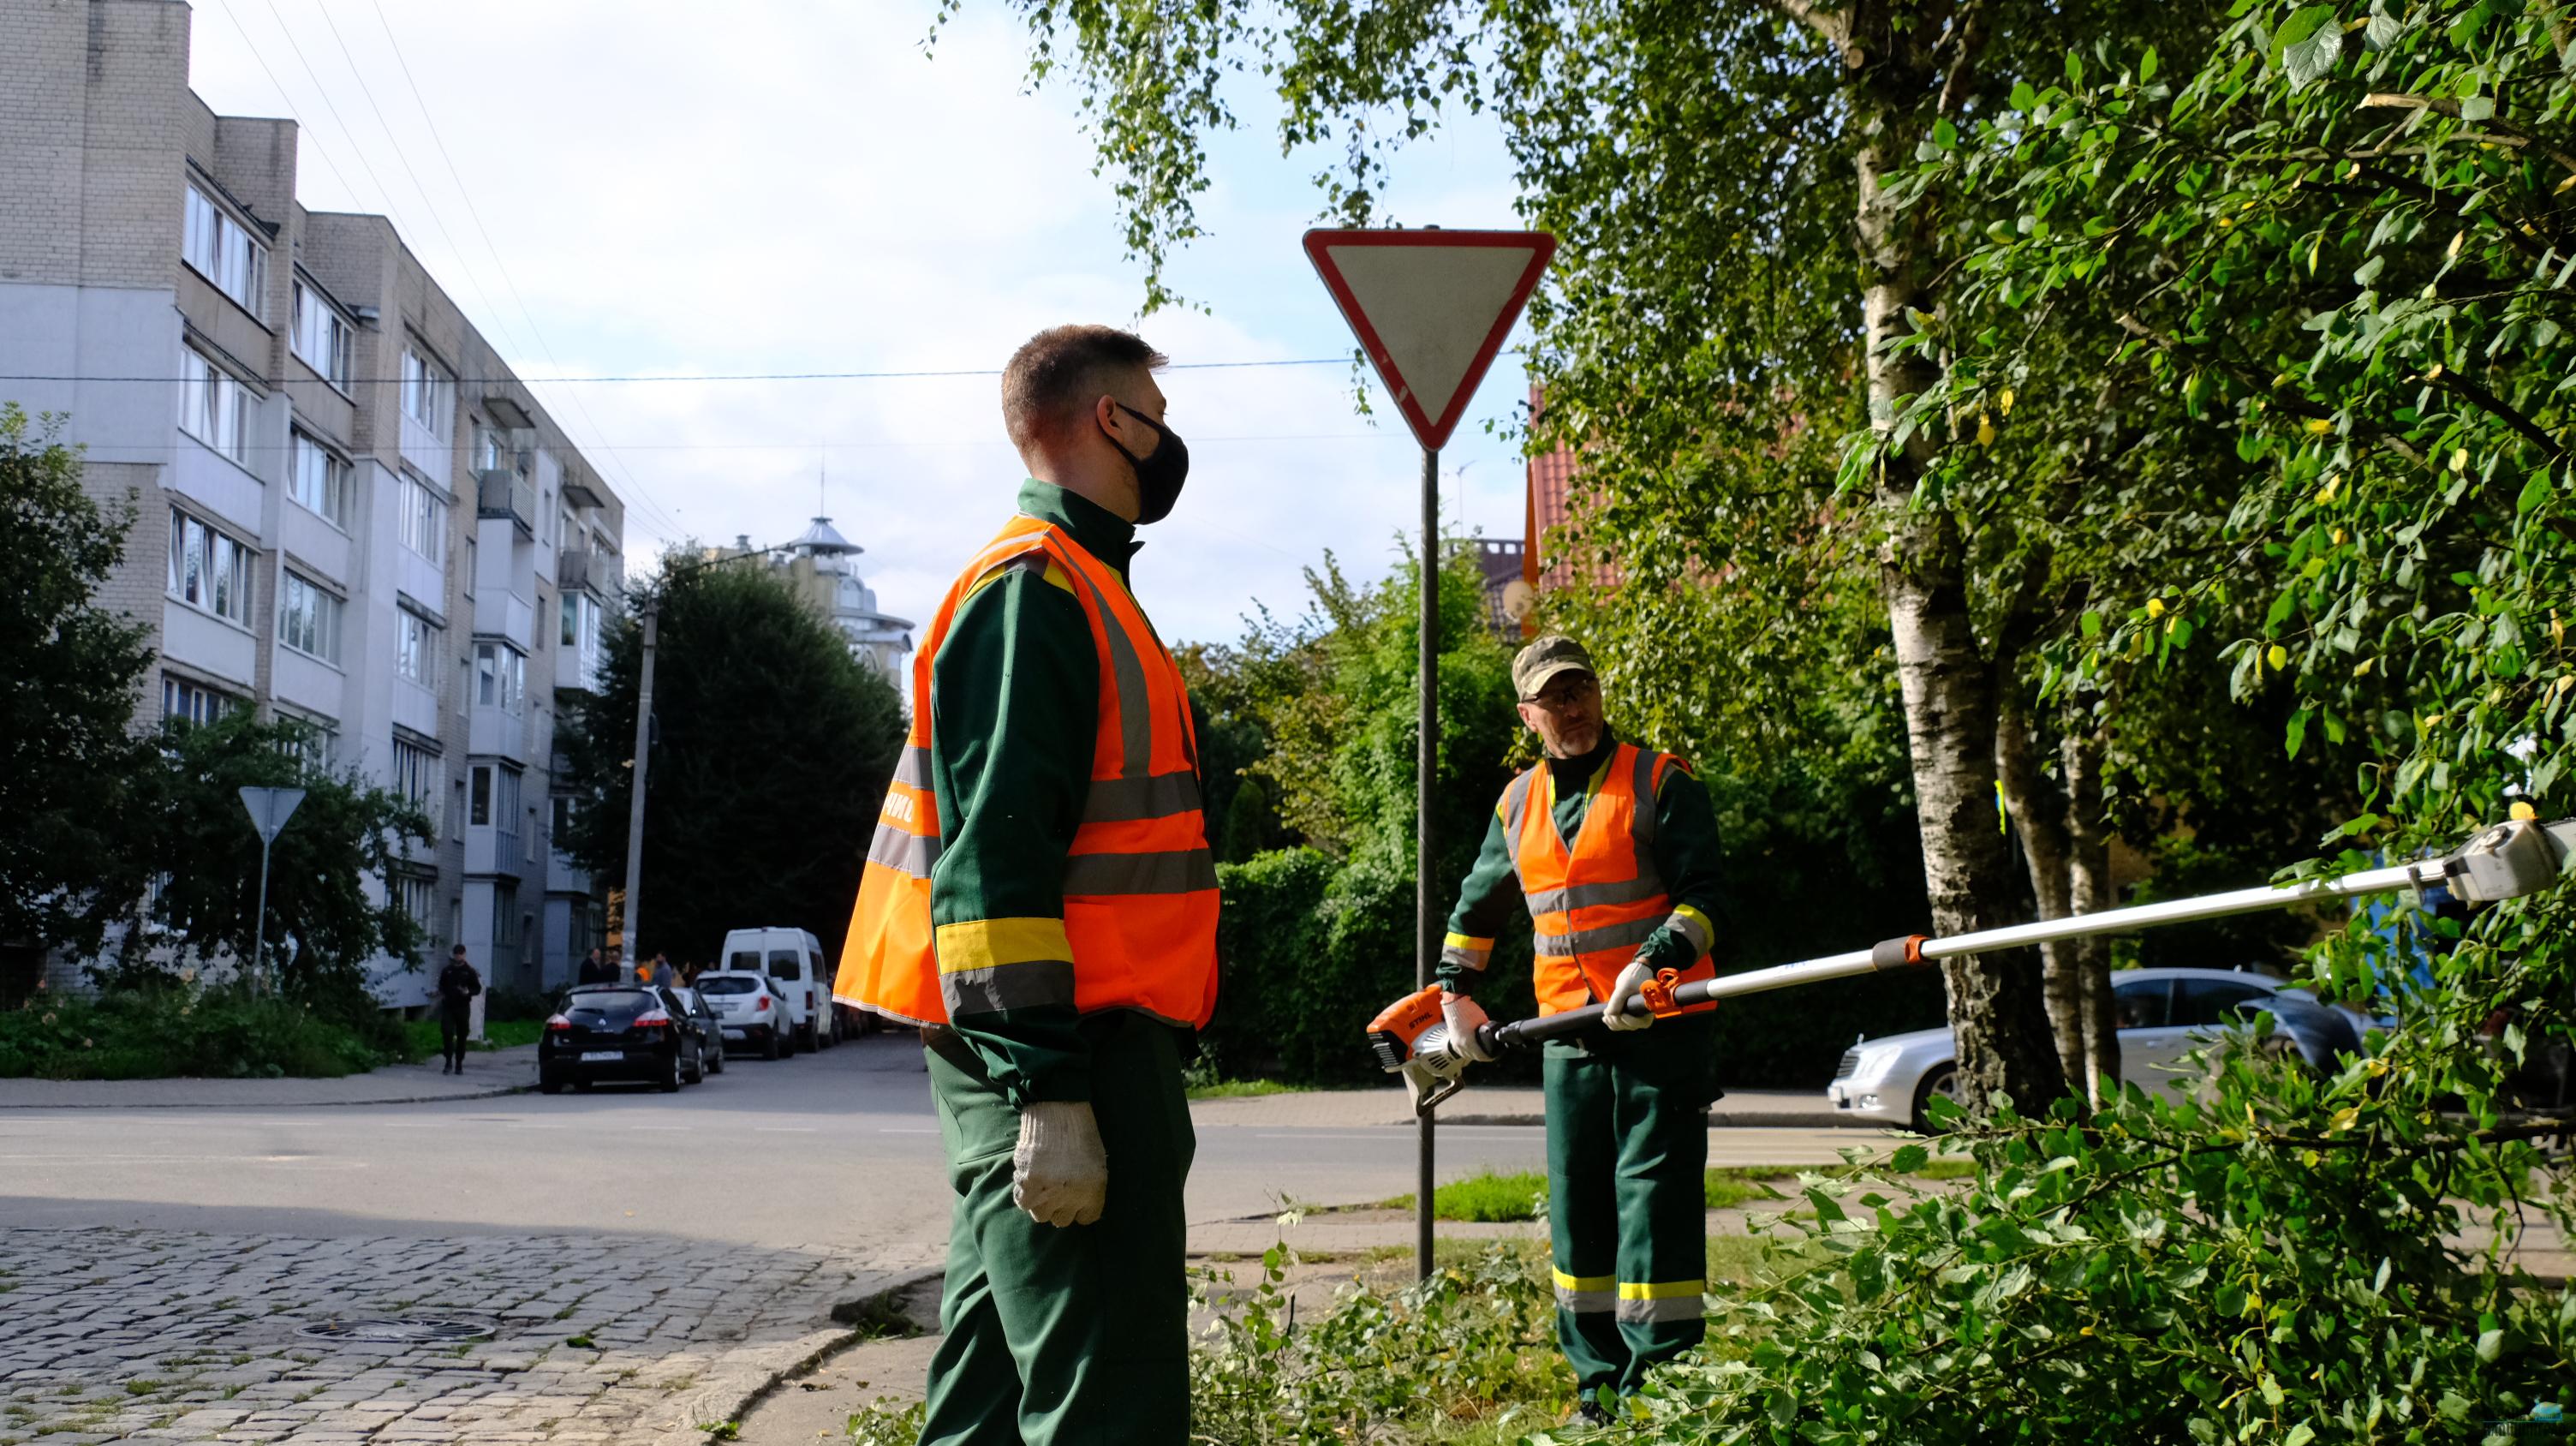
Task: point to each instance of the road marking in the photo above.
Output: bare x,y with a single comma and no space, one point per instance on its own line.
782,1129
663,1129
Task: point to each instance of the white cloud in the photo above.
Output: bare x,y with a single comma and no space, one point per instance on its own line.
787,187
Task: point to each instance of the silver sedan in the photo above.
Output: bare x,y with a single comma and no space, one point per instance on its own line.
2163,1013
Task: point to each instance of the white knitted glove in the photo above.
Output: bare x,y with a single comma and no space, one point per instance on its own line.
1464,1017
1614,1010
1060,1171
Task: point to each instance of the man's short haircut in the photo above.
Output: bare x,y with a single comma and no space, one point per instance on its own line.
1055,375
459,949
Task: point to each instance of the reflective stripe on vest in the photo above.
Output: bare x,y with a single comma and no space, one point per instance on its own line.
1140,900
1593,904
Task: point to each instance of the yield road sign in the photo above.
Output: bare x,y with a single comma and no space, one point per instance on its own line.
1430,308
270,808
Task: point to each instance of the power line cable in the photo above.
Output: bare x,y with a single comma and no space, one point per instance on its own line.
475,214
280,86
733,376
437,218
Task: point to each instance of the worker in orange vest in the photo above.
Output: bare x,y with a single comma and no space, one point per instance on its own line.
1040,898
1613,850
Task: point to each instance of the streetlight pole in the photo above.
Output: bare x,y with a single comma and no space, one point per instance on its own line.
635,805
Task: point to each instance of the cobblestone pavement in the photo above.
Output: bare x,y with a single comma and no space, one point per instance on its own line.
151,1336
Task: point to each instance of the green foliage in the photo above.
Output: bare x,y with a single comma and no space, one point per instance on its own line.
176,1030
1315,940
2268,1268
774,750
190,865
1490,1197
68,766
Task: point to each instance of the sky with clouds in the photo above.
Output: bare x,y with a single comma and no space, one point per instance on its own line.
774,186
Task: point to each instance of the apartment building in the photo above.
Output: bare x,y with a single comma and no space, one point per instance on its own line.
351,512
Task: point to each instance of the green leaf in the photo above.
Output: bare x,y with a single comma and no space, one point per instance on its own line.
2147,65
2536,492
2023,97
2478,108
2490,1345
2309,45
2298,731
2090,624
2300,1435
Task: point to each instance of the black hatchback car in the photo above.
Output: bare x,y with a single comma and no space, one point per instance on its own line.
622,1032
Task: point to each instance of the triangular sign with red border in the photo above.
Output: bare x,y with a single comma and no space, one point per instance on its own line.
1431,308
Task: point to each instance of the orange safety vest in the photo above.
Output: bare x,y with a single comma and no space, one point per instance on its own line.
1592,905
1140,893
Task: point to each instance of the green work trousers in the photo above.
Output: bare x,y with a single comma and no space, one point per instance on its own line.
1072,1336
1627,1152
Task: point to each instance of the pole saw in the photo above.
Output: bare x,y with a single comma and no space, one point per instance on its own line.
2506,861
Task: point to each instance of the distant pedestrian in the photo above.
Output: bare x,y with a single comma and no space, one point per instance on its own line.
458,983
616,963
596,969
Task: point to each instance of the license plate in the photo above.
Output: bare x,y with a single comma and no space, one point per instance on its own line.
599,1055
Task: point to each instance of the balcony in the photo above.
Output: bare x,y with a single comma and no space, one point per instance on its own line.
505,493
585,569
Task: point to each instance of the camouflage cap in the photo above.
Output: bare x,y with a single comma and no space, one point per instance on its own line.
1543,660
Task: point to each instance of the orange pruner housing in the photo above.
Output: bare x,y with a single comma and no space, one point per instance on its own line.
1658,992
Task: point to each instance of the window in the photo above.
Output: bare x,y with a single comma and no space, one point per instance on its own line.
559,818
505,915
315,743
418,897
500,677
571,620
308,618
478,796
185,702
208,569
319,480
415,647
2143,1003
428,393
424,519
221,250
786,964
492,451
321,337
2207,1003
214,407
418,776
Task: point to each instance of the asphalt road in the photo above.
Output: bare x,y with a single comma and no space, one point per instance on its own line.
834,1150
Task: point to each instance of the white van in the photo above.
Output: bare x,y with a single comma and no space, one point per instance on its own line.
793,960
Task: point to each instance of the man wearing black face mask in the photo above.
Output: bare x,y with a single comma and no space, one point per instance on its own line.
1040,898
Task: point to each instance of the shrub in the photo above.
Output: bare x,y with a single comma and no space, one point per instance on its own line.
181,1032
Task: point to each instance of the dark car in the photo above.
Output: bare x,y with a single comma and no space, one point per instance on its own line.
626,1032
710,1027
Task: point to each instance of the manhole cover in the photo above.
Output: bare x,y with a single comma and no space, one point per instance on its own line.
398,1332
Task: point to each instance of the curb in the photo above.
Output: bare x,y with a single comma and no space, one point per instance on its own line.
731,1399
495,1093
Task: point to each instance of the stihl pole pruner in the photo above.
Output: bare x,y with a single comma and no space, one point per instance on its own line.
2503,862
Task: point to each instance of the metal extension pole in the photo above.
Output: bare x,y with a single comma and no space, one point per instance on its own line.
635,806
1902,954
1426,906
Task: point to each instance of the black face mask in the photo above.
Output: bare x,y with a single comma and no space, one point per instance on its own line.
1160,474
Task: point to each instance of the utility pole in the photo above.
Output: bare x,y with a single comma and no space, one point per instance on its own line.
635,804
